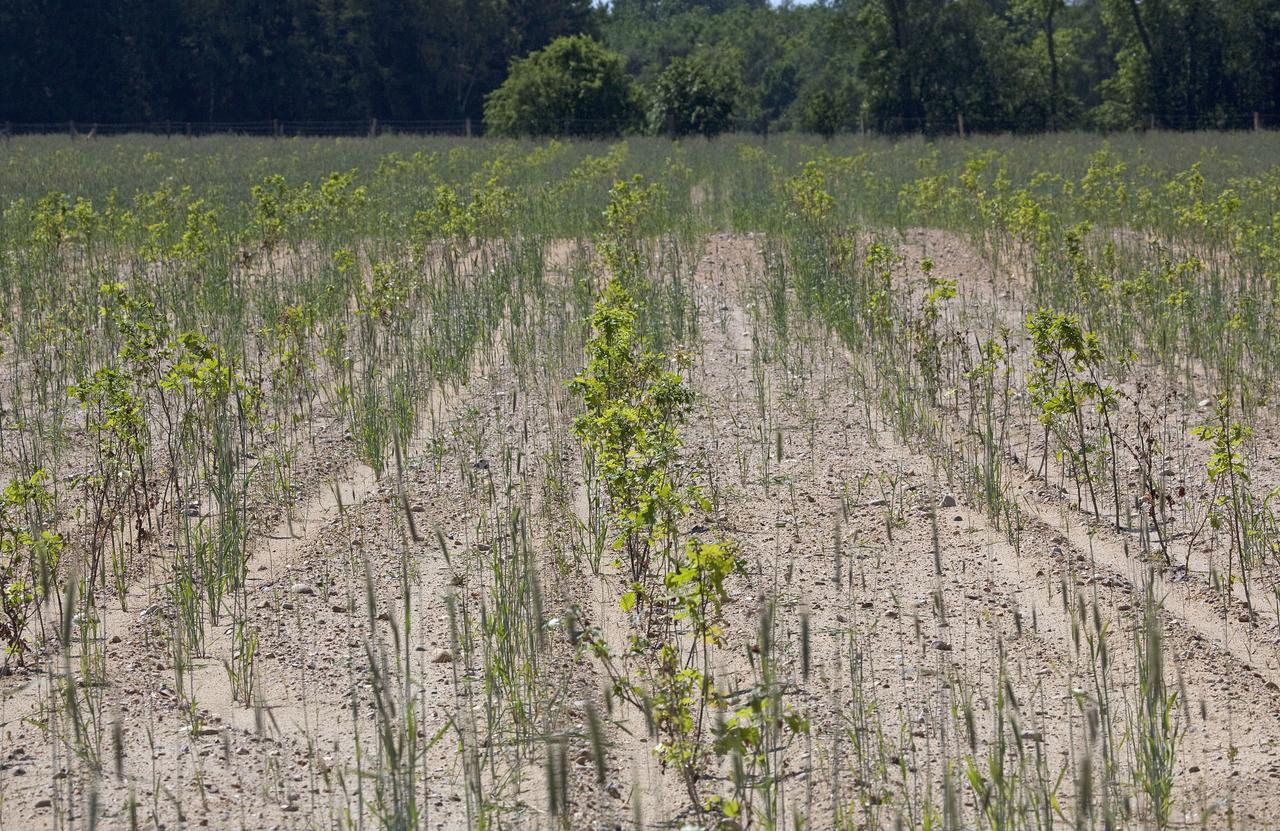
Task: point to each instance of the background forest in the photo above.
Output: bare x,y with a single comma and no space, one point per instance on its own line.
882,65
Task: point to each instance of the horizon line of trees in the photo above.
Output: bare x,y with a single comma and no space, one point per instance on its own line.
663,66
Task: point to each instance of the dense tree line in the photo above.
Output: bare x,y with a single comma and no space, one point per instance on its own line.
912,65
683,66
231,60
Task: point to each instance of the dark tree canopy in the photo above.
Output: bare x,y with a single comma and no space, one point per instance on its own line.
231,60
886,65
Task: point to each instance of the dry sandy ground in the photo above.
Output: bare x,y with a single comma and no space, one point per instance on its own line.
912,609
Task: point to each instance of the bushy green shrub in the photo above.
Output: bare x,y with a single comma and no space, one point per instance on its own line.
572,87
694,96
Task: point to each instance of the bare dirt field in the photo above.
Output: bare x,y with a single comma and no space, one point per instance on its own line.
890,654
718,485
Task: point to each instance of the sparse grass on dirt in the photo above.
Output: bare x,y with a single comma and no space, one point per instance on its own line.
403,484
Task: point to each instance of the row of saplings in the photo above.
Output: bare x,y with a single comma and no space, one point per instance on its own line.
635,402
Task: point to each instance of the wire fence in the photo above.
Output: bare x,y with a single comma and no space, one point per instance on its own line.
466,127
278,128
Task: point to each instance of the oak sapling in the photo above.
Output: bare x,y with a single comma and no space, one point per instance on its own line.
29,553
633,406
1066,375
1233,503
929,339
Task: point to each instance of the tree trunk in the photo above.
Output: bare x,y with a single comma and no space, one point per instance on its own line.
1052,48
1145,37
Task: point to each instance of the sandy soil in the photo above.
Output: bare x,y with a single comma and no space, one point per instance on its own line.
918,611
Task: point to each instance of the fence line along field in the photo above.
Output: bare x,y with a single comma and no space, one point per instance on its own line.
392,483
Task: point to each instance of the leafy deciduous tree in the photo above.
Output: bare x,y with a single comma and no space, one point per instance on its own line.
694,96
573,87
